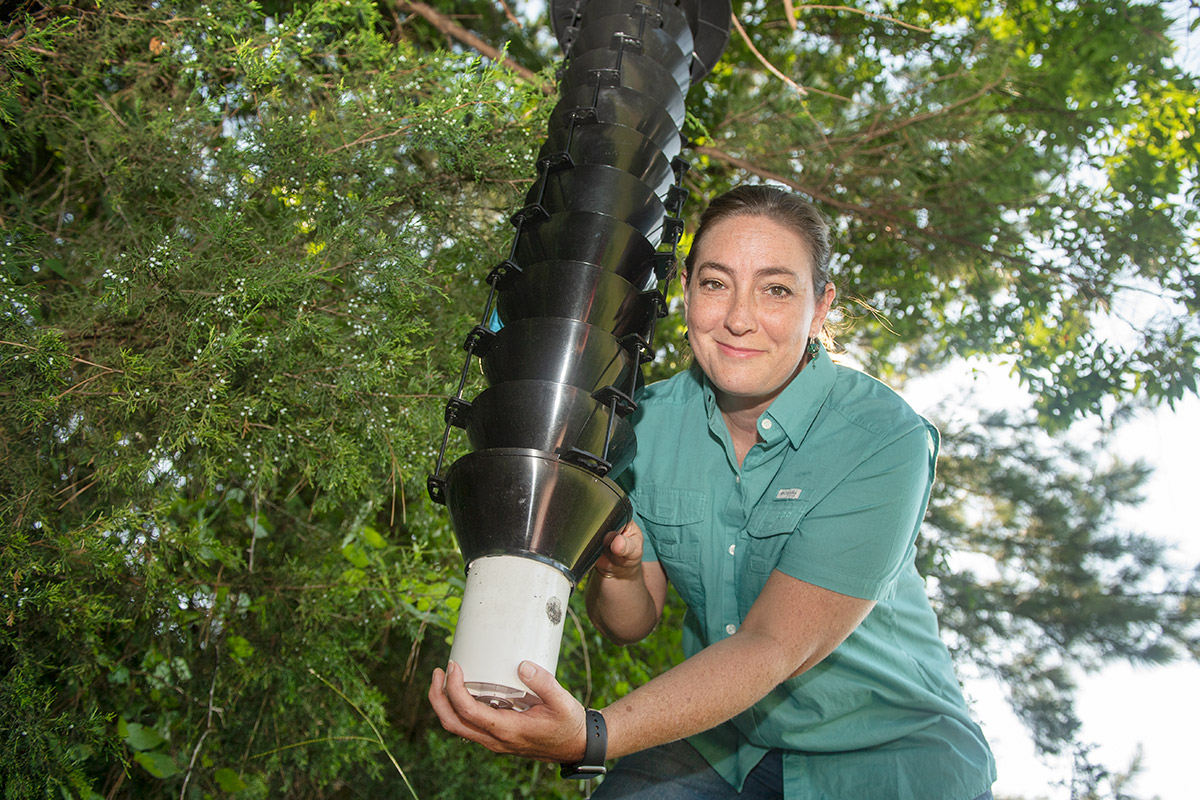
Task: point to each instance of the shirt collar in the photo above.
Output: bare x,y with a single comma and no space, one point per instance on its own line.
794,410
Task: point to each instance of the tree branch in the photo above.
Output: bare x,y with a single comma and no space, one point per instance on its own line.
771,68
790,11
868,14
511,17
460,34
860,210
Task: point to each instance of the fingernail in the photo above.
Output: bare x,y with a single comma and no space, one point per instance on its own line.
527,670
450,667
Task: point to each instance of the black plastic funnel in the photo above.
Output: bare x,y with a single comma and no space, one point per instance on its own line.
666,16
710,21
513,501
640,73
619,105
597,189
552,417
609,33
575,290
614,146
592,238
559,351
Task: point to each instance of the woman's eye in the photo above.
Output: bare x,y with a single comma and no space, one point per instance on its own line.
779,291
711,283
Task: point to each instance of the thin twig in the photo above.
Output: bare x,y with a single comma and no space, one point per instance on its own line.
414,653
587,662
763,59
868,14
80,385
396,469
62,206
455,31
66,502
112,111
378,737
253,535
511,17
294,745
207,728
76,359
254,730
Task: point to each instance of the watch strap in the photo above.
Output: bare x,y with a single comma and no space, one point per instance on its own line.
594,752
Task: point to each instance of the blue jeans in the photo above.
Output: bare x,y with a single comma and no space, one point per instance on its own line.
676,771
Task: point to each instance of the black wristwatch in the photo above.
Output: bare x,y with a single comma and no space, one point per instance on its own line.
593,755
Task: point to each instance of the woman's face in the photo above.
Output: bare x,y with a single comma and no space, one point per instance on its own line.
751,309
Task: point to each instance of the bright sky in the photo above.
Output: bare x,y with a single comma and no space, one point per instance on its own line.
1125,707
1122,707
1128,707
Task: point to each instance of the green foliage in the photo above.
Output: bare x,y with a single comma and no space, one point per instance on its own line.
1004,176
233,240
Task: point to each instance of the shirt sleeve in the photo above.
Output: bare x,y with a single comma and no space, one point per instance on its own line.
859,537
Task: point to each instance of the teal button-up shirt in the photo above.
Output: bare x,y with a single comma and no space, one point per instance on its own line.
833,494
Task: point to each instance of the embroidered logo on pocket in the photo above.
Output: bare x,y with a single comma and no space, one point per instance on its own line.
788,494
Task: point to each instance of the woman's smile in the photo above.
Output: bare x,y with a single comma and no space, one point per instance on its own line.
738,352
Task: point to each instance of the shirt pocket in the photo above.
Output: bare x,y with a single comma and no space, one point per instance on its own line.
768,531
677,524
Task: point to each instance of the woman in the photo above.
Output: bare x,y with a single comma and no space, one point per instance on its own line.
782,495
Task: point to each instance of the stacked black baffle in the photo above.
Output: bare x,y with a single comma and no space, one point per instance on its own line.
581,289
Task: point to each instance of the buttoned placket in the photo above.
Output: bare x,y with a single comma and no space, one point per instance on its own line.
734,510
730,514
750,481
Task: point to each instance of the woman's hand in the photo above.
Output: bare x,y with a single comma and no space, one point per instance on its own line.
622,556
625,596
554,730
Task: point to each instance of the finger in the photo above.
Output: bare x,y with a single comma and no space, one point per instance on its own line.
626,550
619,546
441,688
456,692
571,724
437,686
543,684
479,716
441,703
451,721
499,730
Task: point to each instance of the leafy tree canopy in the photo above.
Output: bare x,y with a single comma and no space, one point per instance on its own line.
1004,177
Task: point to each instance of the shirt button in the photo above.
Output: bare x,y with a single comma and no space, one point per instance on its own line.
732,547
731,629
766,424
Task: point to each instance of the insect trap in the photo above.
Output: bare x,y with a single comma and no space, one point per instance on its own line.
577,298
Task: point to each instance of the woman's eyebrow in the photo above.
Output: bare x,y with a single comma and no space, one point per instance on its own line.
761,272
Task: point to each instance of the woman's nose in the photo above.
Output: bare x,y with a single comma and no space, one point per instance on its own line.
739,316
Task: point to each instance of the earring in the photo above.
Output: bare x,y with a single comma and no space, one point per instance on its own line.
814,349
